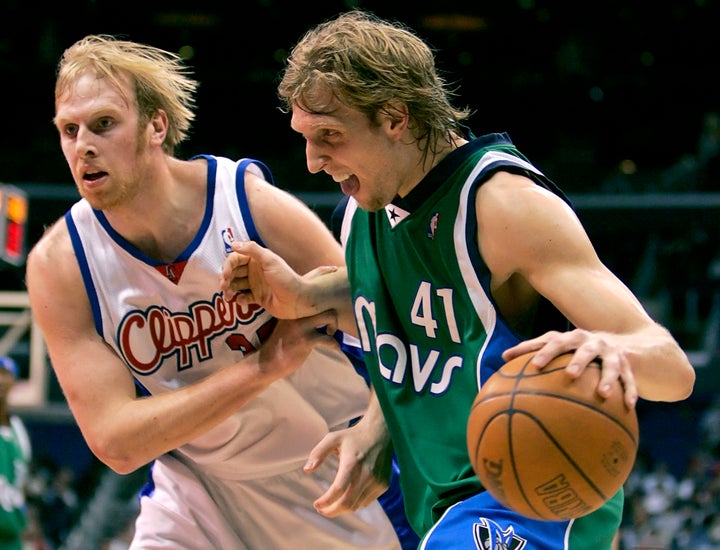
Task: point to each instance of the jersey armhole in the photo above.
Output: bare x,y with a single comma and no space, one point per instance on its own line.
261,170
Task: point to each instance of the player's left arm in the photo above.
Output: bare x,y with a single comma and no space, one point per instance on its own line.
302,241
365,463
290,228
529,232
297,235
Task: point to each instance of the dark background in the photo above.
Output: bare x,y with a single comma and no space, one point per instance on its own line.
605,97
580,86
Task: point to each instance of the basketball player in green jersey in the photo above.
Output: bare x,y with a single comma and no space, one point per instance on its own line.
15,458
460,255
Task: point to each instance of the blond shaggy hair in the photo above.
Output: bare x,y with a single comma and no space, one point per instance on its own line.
159,79
370,65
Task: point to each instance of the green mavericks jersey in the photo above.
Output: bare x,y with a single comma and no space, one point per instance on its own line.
15,454
428,327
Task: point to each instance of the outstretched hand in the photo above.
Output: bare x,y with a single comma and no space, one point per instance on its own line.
256,275
364,469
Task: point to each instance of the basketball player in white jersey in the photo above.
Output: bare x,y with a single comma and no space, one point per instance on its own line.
224,401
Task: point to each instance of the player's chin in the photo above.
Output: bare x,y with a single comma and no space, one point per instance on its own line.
371,204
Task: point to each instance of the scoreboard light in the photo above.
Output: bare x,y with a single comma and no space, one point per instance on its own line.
13,222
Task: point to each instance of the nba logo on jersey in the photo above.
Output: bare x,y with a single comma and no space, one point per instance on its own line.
227,238
432,227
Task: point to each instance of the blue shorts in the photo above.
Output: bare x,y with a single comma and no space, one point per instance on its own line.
481,522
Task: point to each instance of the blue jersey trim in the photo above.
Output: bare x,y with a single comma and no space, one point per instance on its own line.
243,202
85,272
185,254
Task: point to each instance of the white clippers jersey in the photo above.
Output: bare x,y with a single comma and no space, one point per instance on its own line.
171,326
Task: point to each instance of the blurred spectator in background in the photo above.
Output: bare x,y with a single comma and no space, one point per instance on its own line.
15,454
59,506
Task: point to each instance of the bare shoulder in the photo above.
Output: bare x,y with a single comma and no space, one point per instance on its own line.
260,191
53,246
290,227
271,205
52,270
522,224
509,195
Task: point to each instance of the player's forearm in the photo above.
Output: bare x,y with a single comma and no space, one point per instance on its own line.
328,291
150,427
374,417
661,368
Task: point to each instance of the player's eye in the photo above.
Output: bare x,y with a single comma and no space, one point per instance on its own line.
70,130
330,135
104,123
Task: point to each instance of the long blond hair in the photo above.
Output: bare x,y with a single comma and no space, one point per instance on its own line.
159,78
369,63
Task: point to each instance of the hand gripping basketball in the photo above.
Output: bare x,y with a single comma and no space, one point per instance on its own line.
547,446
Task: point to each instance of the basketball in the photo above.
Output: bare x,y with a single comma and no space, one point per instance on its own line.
547,446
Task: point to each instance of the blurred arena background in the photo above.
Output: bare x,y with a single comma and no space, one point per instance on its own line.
618,102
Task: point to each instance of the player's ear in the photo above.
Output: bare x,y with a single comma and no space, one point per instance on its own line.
159,126
396,115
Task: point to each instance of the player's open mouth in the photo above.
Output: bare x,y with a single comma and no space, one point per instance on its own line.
350,185
94,176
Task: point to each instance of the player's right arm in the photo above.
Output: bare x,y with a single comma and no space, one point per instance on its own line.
123,431
257,275
534,244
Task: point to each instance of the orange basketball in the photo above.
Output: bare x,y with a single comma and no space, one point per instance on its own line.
547,446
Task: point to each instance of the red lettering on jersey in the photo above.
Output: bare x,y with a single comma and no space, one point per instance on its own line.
146,338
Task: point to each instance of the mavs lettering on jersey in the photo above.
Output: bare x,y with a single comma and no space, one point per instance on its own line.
421,367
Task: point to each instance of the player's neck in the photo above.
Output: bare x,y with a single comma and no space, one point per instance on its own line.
163,219
440,151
